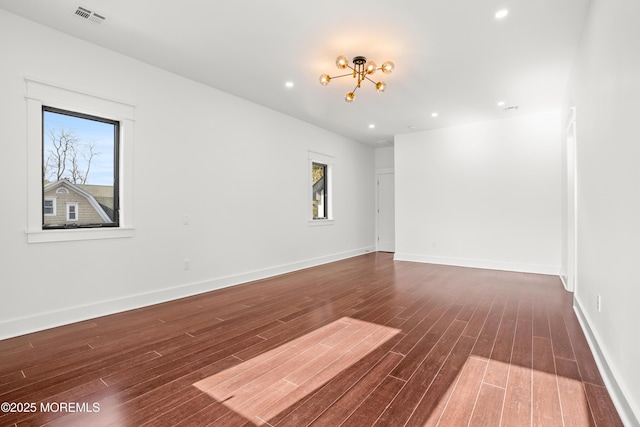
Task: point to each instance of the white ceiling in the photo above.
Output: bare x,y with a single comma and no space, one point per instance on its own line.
451,56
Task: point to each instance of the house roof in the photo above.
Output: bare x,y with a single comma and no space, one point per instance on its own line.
76,188
102,193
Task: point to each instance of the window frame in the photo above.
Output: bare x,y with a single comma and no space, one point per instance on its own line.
39,94
329,162
116,175
73,205
51,199
325,192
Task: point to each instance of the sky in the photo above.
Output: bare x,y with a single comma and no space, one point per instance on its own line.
101,172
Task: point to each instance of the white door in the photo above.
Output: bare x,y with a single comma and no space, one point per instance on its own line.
386,212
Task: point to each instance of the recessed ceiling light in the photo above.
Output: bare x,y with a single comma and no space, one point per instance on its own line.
434,114
371,126
500,103
501,13
289,84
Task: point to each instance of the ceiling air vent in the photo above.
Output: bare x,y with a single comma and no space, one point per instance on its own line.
89,15
511,108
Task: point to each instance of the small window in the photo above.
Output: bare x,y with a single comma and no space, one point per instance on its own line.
72,212
320,193
49,206
80,165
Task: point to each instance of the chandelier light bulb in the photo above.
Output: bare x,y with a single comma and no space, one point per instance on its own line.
325,79
349,97
381,86
370,67
387,67
341,62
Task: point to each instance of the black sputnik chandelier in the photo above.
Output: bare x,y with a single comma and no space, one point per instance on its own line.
361,71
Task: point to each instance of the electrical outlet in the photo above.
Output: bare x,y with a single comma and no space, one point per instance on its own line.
599,302
187,264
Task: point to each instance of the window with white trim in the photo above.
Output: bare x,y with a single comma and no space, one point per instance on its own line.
113,212
49,206
320,173
72,212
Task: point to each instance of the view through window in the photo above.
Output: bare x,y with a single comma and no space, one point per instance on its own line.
79,170
319,193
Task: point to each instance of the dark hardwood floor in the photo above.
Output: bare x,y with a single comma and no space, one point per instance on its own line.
365,341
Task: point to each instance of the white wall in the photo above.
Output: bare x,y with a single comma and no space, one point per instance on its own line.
238,170
384,158
605,89
481,195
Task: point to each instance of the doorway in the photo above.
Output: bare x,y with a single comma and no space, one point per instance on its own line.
385,212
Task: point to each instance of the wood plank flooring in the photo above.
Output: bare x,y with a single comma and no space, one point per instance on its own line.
363,342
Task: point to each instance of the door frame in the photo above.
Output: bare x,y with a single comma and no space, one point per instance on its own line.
570,181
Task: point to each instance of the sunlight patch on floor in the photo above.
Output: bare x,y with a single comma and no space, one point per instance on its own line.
265,385
481,392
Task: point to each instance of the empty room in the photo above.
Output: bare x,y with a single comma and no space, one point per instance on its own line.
279,213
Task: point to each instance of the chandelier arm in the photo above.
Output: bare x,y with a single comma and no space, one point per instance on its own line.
343,75
362,75
369,79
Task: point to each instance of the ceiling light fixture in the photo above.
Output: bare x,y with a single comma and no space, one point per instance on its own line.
501,14
361,71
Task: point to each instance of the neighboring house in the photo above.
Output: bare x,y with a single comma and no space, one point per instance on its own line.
319,199
103,195
68,203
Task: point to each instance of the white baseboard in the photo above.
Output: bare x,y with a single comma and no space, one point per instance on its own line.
629,416
478,263
24,325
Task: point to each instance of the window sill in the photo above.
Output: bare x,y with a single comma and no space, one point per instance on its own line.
314,222
48,236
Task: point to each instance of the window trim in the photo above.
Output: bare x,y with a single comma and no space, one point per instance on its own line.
75,206
53,199
329,161
40,93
